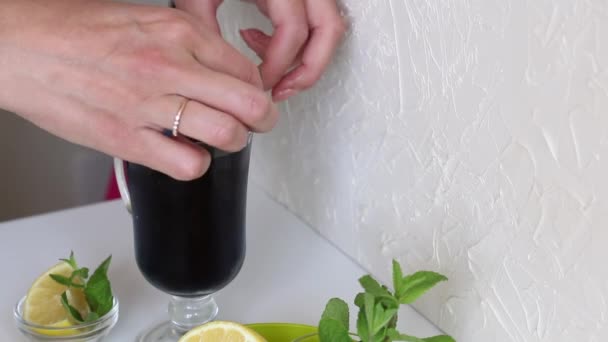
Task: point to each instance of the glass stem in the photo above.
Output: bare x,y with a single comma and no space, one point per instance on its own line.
187,313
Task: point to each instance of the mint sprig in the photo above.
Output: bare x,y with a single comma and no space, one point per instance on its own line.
97,289
71,260
378,306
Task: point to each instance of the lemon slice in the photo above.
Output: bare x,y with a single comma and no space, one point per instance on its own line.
42,304
59,332
219,331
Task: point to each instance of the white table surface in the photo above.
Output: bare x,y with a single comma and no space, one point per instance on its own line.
289,274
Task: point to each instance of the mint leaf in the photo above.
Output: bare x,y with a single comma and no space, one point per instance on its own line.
376,320
359,301
83,273
381,293
65,281
91,317
362,329
98,290
71,260
70,309
368,306
61,279
331,330
382,318
397,275
337,309
415,285
372,286
334,322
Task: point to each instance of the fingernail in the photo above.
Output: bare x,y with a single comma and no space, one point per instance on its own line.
289,83
293,80
284,94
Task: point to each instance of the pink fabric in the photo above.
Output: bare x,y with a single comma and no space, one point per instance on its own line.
112,192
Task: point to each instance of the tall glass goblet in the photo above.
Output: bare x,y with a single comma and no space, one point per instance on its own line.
189,236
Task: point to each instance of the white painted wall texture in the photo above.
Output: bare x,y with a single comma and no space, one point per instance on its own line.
468,137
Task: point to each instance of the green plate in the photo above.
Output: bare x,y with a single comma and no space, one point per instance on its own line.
284,332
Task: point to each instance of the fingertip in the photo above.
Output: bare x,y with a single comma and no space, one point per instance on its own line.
273,115
256,34
256,40
193,166
270,78
283,50
294,79
279,95
179,158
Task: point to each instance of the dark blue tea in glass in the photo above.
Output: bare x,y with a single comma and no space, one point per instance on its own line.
189,236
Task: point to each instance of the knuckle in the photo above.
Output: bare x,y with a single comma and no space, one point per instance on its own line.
242,68
340,26
299,33
251,75
150,61
229,134
179,29
258,105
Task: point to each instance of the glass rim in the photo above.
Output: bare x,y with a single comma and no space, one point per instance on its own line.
216,152
17,314
313,334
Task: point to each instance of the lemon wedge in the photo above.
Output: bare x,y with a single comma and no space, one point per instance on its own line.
59,332
220,331
42,304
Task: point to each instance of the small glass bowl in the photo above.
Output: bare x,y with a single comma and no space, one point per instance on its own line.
86,332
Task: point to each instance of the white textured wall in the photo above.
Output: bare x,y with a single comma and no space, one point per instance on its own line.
468,137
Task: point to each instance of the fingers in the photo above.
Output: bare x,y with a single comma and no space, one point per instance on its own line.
291,33
209,48
216,54
199,122
247,103
213,127
327,29
258,42
177,158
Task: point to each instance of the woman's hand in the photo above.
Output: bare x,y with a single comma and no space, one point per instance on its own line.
306,35
111,76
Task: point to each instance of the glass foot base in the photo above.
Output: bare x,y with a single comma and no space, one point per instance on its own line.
163,332
185,314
